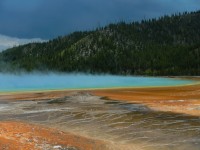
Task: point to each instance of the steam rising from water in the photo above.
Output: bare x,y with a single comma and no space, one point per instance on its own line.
36,81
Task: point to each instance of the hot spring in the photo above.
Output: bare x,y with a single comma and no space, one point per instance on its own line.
129,125
52,81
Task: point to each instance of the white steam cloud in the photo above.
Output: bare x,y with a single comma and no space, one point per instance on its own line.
9,42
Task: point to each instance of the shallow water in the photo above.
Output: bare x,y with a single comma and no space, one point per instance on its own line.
131,126
27,82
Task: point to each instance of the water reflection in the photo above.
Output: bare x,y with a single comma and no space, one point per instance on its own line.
130,125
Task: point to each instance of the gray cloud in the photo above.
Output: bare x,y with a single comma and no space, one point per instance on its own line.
50,18
8,42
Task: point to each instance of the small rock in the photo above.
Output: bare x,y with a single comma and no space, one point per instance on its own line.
57,147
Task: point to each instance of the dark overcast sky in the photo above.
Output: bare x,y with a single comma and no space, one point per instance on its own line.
49,18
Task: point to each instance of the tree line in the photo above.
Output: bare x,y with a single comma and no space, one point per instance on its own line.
169,45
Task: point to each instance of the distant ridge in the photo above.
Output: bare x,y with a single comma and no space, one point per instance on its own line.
169,45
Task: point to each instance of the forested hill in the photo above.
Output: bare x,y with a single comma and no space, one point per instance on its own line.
169,45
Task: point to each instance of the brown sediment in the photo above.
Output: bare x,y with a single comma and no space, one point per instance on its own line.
18,136
180,99
34,95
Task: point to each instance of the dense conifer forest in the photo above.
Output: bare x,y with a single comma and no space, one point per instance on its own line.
169,45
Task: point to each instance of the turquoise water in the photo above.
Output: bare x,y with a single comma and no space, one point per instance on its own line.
28,82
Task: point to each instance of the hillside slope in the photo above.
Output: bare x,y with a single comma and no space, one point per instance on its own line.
169,45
